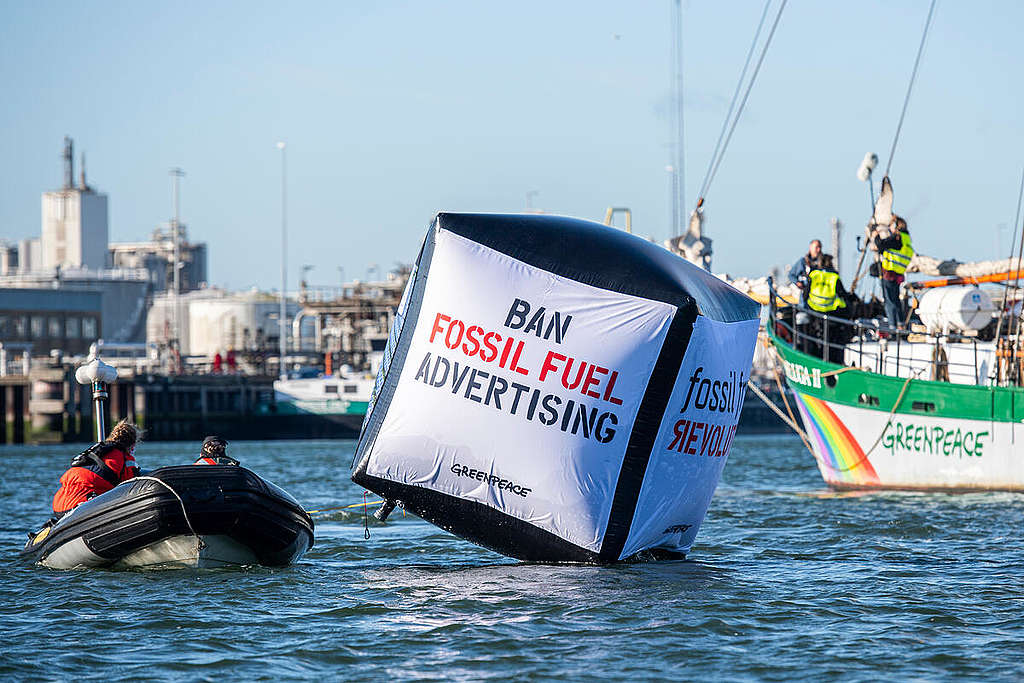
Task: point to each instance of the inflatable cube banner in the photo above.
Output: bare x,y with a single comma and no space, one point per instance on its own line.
557,390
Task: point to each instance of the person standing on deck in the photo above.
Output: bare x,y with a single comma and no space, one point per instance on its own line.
798,274
896,250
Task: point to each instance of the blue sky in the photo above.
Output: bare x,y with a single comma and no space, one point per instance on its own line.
393,111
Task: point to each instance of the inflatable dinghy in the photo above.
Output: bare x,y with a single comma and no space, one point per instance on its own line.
187,515
557,390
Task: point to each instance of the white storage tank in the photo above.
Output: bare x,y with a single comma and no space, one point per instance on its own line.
955,309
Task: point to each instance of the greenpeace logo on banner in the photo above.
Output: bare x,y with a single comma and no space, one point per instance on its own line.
490,479
710,396
532,402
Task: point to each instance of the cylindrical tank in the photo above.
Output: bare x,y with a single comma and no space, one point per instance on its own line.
955,309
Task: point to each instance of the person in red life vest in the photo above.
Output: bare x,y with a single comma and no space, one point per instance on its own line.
218,363
214,452
100,468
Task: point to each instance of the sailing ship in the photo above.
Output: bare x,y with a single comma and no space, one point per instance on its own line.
932,410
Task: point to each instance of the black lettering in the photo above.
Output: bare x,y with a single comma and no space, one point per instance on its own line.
517,314
536,322
693,381
568,414
520,388
494,392
475,384
587,422
533,404
424,368
705,387
605,434
457,378
550,403
441,360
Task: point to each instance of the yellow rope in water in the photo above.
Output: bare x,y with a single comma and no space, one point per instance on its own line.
344,507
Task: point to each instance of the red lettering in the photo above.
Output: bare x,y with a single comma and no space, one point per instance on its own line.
505,352
548,366
471,338
608,389
591,380
680,436
437,327
568,371
708,437
490,346
448,335
515,360
690,450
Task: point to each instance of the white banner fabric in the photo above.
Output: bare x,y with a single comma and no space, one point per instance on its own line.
694,438
519,390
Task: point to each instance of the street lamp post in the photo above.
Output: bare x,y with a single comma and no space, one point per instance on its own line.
282,327
177,174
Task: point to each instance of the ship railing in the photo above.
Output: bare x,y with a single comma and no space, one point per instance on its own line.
876,347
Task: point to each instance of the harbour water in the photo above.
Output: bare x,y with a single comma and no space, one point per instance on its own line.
787,581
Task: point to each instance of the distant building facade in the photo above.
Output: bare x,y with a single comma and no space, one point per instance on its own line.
50,319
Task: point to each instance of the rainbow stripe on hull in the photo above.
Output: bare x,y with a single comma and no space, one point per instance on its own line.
840,457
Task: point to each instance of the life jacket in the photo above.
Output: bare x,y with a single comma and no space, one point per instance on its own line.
221,459
822,294
95,470
897,260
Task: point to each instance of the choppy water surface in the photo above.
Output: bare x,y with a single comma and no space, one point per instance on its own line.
787,581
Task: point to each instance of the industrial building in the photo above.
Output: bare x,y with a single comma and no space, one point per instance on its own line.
36,321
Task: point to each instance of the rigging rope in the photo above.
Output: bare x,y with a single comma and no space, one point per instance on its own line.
910,86
732,104
888,424
1013,243
680,160
739,112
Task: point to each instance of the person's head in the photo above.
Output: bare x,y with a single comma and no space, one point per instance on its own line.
214,446
125,436
827,263
814,250
899,223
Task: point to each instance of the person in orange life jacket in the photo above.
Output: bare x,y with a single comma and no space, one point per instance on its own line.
896,251
100,468
214,452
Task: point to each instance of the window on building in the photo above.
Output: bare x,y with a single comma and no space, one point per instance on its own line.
6,327
37,324
89,328
21,326
54,328
73,328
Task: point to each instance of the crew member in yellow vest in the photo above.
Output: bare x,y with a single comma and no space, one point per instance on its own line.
823,294
826,294
896,251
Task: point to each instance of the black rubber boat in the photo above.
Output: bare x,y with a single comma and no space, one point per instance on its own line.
186,515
